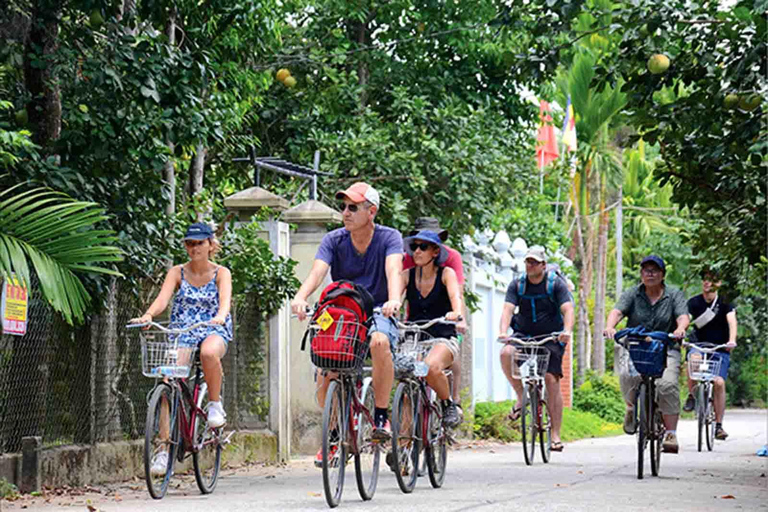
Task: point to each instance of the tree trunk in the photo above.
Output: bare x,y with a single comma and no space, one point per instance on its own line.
197,170
362,66
598,361
619,262
44,107
582,319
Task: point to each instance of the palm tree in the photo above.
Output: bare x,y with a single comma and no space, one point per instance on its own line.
57,235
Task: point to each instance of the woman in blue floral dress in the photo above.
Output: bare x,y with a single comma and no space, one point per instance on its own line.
203,294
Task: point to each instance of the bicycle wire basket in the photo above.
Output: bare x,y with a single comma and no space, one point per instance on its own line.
530,362
163,356
410,353
703,366
343,348
647,355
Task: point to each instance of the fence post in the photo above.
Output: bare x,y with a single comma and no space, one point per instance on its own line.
310,217
31,479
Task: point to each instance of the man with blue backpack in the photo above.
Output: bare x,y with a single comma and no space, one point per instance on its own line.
544,306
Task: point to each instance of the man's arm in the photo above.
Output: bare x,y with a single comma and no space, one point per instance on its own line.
683,321
316,276
506,318
566,308
732,328
394,266
614,317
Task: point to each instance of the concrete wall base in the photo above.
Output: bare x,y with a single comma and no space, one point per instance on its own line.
77,466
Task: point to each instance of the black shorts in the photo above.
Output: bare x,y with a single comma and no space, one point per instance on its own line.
556,351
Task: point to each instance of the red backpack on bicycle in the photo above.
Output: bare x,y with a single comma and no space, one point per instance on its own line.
342,320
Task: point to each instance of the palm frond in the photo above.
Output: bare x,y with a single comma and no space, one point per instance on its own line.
56,234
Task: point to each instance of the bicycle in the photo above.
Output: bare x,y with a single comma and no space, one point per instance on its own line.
530,361
416,414
647,358
177,423
704,367
347,419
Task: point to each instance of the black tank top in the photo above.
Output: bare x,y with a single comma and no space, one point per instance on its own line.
434,305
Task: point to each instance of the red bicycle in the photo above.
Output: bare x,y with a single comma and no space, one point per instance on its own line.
177,423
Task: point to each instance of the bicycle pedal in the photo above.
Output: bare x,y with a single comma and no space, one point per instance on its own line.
450,440
226,440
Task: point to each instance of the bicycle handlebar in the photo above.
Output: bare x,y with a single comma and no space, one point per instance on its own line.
528,342
422,325
709,348
167,330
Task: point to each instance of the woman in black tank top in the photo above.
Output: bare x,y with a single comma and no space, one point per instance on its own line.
433,291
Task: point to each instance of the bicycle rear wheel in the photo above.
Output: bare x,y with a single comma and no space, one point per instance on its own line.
334,449
545,433
709,424
528,423
701,412
368,453
436,450
161,435
642,427
405,438
207,457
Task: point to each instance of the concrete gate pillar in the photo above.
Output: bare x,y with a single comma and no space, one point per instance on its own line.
311,219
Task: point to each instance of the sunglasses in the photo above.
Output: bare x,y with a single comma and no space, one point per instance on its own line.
351,207
423,246
193,243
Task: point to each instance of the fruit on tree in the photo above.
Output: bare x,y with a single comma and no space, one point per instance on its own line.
96,19
658,63
750,102
290,82
731,101
282,74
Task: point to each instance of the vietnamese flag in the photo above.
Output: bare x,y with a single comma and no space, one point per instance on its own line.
546,147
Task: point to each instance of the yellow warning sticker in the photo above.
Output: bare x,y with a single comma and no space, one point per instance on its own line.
325,320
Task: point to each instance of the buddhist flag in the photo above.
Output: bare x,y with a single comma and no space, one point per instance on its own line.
546,148
569,128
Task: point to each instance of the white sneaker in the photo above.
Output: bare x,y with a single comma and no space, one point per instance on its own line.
216,415
159,464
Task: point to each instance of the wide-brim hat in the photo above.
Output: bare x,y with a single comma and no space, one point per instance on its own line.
431,237
431,224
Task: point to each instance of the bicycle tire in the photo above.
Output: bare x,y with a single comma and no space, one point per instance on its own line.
656,430
368,454
710,419
545,430
405,442
436,450
206,458
642,427
528,423
157,485
334,414
701,413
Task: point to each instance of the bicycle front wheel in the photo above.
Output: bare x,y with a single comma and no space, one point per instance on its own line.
701,412
207,455
334,449
436,444
160,440
710,421
528,423
642,427
405,438
368,453
545,433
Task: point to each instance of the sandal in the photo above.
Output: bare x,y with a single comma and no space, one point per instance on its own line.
557,446
515,413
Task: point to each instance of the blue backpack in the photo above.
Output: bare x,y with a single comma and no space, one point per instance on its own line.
552,276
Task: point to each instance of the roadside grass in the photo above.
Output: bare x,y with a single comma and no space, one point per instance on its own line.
491,423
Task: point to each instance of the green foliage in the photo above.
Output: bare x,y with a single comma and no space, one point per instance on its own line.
7,489
59,236
491,423
600,395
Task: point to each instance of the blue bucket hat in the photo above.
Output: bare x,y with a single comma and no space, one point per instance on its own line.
656,260
431,237
199,231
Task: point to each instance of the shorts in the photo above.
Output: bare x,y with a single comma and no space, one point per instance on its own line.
384,325
725,361
451,344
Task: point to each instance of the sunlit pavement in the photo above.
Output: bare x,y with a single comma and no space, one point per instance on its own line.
589,475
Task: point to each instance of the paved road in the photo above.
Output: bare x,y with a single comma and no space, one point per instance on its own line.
590,475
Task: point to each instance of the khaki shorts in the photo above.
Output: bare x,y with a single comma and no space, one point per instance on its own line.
452,344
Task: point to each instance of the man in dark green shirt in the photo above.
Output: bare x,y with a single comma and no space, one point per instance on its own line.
658,307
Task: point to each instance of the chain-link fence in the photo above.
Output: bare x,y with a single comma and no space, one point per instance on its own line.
83,384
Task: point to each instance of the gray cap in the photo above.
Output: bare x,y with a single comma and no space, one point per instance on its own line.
536,253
